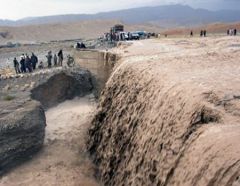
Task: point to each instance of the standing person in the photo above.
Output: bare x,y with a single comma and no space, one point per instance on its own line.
129,36
55,60
23,66
28,64
235,32
22,56
49,59
205,33
34,61
60,57
16,66
191,33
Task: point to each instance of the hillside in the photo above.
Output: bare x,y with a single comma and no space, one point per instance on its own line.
63,31
167,16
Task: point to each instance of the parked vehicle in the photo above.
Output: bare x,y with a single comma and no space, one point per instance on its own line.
135,36
142,34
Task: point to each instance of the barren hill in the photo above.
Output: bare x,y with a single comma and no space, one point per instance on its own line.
64,31
165,15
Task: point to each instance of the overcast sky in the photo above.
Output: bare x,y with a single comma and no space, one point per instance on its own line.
16,9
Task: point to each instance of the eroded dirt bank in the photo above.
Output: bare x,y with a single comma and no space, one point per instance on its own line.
170,114
63,160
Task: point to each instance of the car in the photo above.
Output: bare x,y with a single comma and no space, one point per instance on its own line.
142,34
135,36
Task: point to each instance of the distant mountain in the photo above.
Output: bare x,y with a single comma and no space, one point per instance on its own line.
168,16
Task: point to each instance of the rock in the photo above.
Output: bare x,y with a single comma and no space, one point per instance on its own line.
6,88
32,84
22,89
26,86
21,134
63,86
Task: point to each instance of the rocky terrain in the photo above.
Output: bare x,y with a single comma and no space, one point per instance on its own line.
23,99
22,129
169,115
63,159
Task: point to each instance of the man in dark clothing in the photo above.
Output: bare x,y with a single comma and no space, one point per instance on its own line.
78,45
205,33
60,57
16,66
49,59
235,32
28,64
23,66
55,60
34,61
83,45
191,33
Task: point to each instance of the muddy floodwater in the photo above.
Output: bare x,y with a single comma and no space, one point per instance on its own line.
63,160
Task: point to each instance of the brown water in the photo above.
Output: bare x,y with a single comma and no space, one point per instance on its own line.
63,160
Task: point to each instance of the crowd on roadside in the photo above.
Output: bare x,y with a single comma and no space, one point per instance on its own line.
203,33
28,64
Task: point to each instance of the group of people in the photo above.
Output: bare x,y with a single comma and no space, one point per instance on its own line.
232,32
57,59
29,64
203,33
26,63
80,45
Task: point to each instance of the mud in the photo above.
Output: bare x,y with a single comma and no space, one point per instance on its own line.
23,100
169,115
61,87
63,159
99,63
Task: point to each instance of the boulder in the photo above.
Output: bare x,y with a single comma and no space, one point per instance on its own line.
22,134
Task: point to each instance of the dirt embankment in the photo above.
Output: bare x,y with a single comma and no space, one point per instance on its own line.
62,160
22,120
169,115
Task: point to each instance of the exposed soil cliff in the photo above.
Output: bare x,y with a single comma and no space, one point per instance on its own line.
63,86
22,120
170,114
22,133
